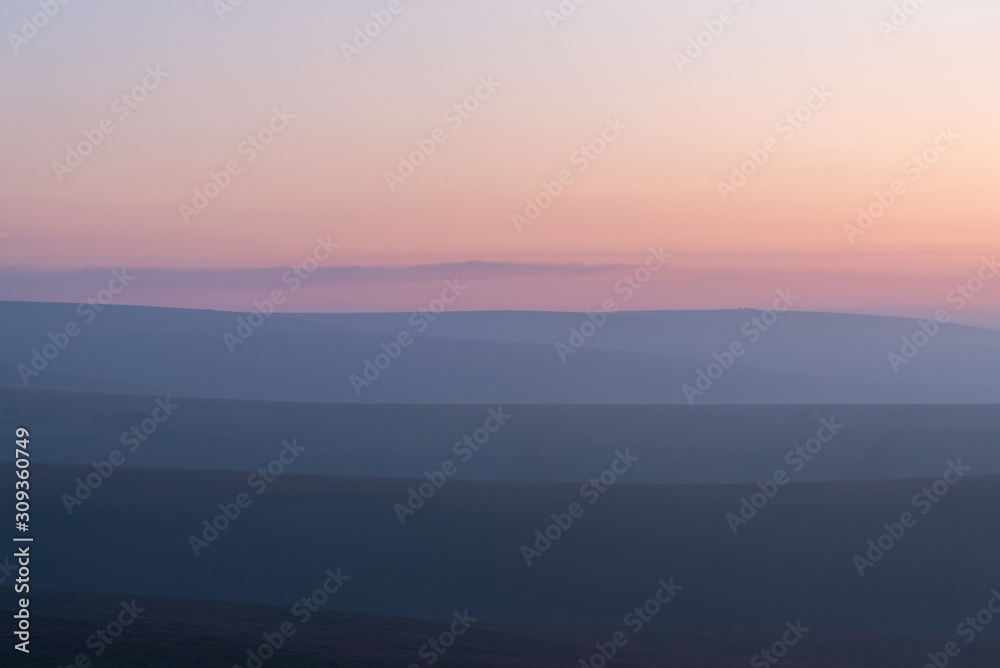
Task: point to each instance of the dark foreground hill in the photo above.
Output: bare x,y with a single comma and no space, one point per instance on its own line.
464,548
677,444
184,632
508,357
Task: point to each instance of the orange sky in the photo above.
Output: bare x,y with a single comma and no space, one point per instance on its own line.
680,133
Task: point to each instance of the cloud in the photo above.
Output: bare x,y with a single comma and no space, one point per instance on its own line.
32,284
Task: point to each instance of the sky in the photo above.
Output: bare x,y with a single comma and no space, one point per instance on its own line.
749,157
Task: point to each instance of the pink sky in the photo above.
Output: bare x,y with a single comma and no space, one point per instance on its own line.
680,134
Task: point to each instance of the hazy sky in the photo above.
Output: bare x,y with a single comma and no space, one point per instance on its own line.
670,137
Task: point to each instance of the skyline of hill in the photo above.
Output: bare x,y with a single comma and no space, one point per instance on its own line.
654,357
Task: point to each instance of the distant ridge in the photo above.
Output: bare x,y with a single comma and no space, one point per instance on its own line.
500,356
